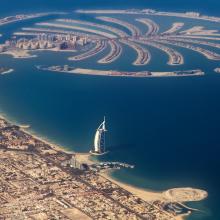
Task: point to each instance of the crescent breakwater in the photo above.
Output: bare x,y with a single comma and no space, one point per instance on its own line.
72,70
192,15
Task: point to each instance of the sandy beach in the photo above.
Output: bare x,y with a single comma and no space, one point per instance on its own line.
178,195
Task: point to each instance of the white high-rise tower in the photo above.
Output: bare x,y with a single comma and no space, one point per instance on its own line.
99,140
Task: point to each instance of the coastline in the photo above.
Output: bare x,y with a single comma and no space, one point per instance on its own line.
147,195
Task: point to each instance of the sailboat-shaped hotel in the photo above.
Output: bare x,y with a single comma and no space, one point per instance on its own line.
99,140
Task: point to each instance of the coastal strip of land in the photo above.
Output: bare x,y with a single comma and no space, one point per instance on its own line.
42,180
190,15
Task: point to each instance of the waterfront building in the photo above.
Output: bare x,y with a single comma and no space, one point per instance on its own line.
99,140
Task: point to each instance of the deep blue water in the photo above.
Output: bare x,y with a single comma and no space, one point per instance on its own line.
167,127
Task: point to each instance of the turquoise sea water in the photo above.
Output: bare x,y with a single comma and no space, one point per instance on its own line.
167,127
